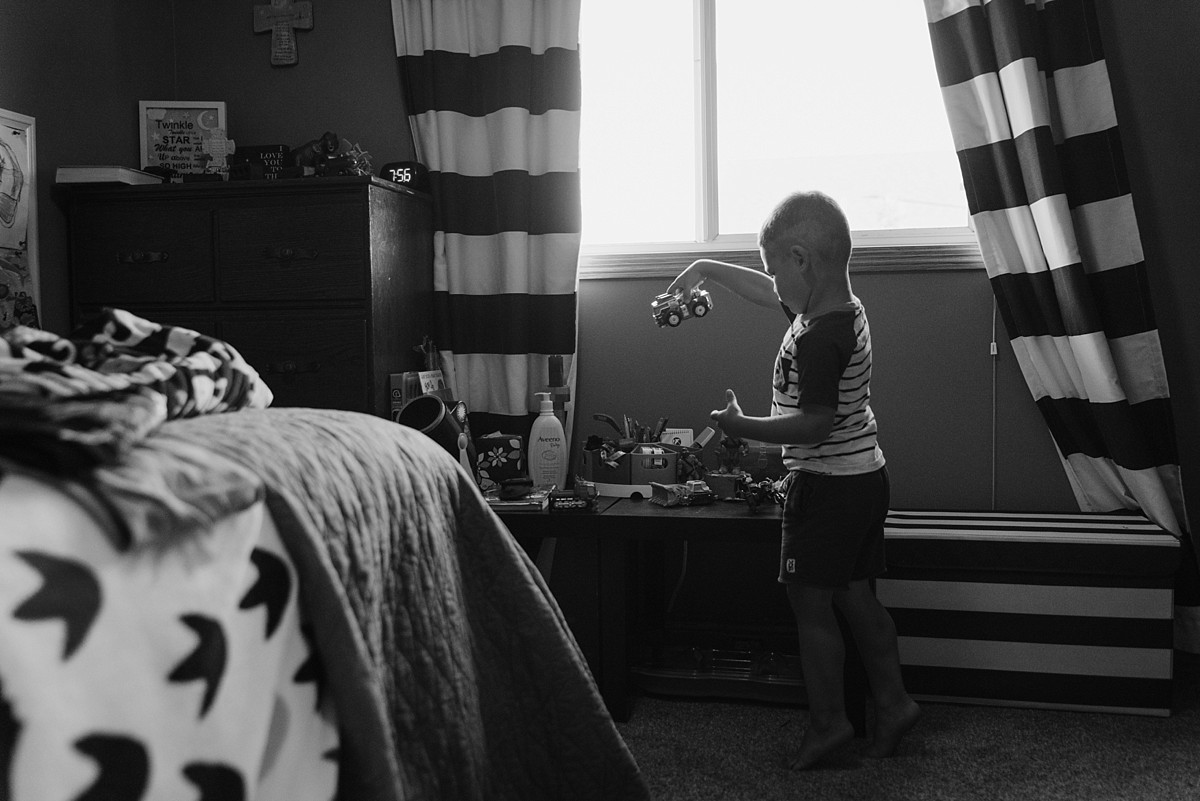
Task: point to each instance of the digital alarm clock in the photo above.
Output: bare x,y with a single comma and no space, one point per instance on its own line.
412,174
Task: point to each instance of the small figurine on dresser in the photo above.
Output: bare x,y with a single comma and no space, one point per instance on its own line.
321,157
315,152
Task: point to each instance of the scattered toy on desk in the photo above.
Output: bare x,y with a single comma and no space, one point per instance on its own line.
625,441
730,453
672,308
693,493
607,452
765,490
729,486
689,466
580,499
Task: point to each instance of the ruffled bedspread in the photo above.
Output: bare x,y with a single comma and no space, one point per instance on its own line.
69,403
452,668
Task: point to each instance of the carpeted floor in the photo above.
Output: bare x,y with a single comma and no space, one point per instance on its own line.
728,751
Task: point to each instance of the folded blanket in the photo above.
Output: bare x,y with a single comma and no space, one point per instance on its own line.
67,404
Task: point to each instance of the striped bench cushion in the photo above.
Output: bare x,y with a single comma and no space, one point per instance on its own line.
1070,611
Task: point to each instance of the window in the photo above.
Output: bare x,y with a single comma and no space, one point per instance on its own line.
699,115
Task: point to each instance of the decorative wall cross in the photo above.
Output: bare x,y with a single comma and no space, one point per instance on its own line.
283,18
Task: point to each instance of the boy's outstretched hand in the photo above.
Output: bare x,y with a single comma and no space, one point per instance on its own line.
729,417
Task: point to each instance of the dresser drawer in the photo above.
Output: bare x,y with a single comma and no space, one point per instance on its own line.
306,359
310,251
142,252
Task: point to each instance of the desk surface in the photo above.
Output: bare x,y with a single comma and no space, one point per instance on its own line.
643,520
729,511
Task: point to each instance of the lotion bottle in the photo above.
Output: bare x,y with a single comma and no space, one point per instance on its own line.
547,446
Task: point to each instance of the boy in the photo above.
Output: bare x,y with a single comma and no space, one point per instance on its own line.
837,495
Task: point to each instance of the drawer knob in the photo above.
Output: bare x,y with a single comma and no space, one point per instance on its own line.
290,367
285,253
141,256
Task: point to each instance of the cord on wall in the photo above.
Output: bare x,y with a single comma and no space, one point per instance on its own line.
679,583
995,352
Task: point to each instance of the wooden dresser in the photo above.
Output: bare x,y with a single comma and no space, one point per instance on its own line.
324,285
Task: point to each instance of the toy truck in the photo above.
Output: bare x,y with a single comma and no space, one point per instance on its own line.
672,308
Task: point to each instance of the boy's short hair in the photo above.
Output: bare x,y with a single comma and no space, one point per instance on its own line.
814,217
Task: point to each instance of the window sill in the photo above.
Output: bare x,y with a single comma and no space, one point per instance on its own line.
668,260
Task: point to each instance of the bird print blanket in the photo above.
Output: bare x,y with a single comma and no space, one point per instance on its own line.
179,668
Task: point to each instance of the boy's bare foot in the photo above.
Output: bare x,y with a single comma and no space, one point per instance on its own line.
890,726
818,744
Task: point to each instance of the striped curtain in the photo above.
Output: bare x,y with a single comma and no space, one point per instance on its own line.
1027,93
493,91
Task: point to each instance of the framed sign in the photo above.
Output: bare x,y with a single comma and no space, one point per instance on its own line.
19,298
184,136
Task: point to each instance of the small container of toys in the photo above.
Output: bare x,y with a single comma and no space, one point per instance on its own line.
625,474
628,464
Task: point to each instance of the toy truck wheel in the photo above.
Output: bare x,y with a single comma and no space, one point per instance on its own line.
699,308
674,319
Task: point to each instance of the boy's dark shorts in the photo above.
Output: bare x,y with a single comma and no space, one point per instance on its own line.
833,528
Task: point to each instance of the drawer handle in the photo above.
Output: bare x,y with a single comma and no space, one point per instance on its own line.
141,256
287,254
290,367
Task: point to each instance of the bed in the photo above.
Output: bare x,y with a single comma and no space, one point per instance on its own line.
202,596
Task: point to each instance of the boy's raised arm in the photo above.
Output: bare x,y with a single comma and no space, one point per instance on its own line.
753,285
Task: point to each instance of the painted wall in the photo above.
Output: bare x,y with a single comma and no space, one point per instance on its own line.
80,68
934,388
346,81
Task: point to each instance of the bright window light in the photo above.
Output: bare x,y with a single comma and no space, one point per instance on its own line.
841,97
637,138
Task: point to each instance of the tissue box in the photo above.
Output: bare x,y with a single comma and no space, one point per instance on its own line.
499,457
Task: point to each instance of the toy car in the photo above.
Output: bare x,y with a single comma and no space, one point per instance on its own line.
671,308
693,493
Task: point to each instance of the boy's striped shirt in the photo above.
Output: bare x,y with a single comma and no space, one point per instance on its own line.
826,360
